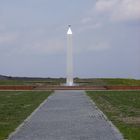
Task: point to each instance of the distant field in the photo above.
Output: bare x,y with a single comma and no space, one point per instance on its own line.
128,82
15,107
30,82
122,108
57,81
12,82
109,82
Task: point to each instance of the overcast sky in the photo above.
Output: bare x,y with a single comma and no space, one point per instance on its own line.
106,37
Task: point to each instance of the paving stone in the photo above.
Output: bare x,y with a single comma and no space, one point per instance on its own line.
67,115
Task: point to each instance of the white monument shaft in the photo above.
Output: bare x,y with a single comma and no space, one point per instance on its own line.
69,81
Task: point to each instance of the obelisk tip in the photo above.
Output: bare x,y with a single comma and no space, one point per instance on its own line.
69,30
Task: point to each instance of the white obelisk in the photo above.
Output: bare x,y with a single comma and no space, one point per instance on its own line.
69,81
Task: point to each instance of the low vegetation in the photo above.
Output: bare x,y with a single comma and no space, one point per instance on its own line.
127,82
108,82
12,82
59,81
122,108
32,82
15,107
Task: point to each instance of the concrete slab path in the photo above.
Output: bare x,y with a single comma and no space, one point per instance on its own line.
67,115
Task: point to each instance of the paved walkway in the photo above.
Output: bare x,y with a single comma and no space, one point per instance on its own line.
67,115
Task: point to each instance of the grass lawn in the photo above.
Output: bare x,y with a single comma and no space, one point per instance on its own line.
122,108
15,106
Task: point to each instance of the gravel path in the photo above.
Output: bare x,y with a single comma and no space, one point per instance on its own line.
67,115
